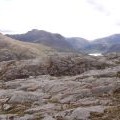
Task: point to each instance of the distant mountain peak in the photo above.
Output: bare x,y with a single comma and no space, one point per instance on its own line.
36,31
53,40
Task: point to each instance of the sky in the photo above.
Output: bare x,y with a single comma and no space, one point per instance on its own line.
89,19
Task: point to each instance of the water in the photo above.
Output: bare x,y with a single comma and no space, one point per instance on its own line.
96,54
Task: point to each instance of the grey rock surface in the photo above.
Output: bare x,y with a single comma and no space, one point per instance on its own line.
83,96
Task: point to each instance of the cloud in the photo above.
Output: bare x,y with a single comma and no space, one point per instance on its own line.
85,18
5,31
99,6
117,23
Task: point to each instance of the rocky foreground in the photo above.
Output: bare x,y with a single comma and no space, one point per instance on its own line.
70,87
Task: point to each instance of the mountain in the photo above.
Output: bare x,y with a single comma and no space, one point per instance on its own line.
55,41
110,40
13,49
78,43
96,48
114,48
106,44
73,44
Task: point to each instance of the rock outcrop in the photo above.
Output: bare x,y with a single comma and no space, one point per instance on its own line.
75,97
59,65
61,87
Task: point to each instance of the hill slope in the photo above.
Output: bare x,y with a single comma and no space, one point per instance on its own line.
13,49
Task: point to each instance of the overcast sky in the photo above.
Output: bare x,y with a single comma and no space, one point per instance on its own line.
89,19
